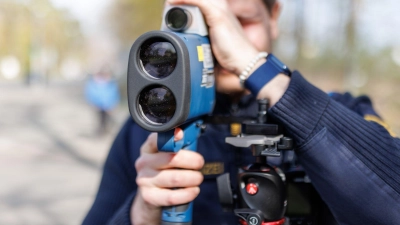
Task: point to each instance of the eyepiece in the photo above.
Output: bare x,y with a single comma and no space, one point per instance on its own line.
178,19
158,57
157,104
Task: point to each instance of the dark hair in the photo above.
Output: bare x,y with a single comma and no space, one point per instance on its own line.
269,4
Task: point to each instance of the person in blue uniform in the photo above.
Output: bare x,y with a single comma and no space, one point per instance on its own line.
353,163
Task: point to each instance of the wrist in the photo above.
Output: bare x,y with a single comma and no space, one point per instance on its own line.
264,74
244,61
143,213
257,65
253,65
275,89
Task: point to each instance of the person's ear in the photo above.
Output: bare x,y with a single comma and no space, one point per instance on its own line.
274,16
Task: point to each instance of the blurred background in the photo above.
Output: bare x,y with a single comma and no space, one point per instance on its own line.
54,135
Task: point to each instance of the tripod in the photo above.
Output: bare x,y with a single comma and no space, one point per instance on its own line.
261,190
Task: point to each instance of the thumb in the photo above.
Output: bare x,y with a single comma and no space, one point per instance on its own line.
150,145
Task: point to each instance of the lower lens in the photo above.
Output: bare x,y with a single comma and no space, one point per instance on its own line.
158,57
158,104
177,19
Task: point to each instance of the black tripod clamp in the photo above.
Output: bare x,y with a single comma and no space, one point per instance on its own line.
261,193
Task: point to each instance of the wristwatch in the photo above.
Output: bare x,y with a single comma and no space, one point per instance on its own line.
265,73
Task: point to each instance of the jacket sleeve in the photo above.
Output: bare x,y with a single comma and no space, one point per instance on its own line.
353,163
118,187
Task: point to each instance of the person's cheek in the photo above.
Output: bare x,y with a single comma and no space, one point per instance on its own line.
258,35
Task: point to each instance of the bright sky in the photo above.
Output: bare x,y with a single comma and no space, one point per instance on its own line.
87,11
376,20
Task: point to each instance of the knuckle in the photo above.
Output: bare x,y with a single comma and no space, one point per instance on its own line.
189,160
146,178
220,16
146,196
192,193
139,163
199,162
171,200
175,179
140,181
196,192
200,178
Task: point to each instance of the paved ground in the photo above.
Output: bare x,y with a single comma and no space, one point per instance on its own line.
50,155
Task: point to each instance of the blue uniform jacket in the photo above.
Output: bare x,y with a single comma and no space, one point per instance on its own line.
353,163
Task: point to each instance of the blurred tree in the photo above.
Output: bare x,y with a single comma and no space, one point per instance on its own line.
299,30
35,29
131,18
351,68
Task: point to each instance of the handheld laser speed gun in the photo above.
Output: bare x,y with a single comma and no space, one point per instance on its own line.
171,84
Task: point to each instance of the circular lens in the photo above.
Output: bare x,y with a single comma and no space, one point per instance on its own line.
177,19
158,104
158,58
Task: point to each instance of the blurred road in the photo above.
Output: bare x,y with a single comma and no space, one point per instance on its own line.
50,155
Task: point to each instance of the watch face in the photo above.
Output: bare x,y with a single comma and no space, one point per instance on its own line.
279,65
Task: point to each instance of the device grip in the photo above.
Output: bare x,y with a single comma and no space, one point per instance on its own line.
177,215
191,132
173,223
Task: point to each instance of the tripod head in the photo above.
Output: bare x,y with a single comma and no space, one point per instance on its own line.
261,190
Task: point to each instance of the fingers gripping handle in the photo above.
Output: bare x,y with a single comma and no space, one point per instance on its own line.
180,214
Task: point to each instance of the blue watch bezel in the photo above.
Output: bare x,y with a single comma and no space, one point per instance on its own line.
280,66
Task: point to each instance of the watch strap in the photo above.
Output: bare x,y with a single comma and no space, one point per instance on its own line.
265,73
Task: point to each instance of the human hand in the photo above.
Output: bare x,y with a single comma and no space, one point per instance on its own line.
235,43
232,49
157,173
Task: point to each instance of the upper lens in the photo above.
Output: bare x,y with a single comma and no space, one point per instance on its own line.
158,58
158,104
177,19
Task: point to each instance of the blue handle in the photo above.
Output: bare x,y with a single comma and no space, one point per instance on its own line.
177,215
182,214
191,131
